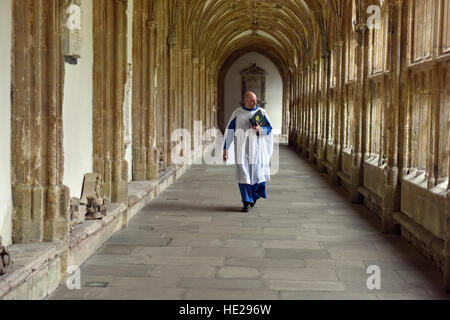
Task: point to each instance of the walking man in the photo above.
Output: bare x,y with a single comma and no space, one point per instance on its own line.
250,130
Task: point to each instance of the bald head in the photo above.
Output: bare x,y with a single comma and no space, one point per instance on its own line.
251,100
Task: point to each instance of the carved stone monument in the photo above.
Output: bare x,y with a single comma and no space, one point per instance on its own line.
254,79
77,212
5,259
94,197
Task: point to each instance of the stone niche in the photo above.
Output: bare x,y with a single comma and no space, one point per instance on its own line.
254,79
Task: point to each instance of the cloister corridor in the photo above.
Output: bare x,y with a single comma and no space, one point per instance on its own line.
307,241
99,99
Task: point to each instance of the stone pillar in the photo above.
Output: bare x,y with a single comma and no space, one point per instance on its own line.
172,119
195,90
145,152
322,150
110,72
202,94
140,78
152,150
391,193
335,162
297,101
305,113
314,123
161,75
287,108
192,93
301,102
41,201
356,170
185,105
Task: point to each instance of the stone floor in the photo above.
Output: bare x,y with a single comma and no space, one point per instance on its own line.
306,242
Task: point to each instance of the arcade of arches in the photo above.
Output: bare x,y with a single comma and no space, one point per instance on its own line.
366,100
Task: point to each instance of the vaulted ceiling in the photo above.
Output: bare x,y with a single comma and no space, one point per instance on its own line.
289,29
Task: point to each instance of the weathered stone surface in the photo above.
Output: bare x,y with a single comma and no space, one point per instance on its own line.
227,252
238,273
264,262
283,285
241,284
182,271
299,274
225,294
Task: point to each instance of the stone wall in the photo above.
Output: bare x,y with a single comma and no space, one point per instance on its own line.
5,122
379,120
129,93
77,109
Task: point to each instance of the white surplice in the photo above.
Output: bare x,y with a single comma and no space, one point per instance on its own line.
252,153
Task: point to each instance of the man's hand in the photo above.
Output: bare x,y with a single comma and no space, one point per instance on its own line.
225,155
258,129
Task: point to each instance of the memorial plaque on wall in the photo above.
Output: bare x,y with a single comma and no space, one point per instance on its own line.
254,79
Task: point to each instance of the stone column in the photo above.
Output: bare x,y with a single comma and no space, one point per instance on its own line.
110,72
298,106
301,111
391,194
191,76
207,97
306,112
41,201
172,119
202,93
185,106
163,85
356,170
140,78
322,150
338,115
152,150
195,82
314,123
287,108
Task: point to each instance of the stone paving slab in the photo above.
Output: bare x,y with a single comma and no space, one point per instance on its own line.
227,252
289,285
264,262
306,242
147,282
297,254
226,294
187,261
239,284
238,273
168,271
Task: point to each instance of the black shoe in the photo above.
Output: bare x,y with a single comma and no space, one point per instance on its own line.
253,204
245,208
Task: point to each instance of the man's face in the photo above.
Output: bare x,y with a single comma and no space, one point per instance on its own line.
251,101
